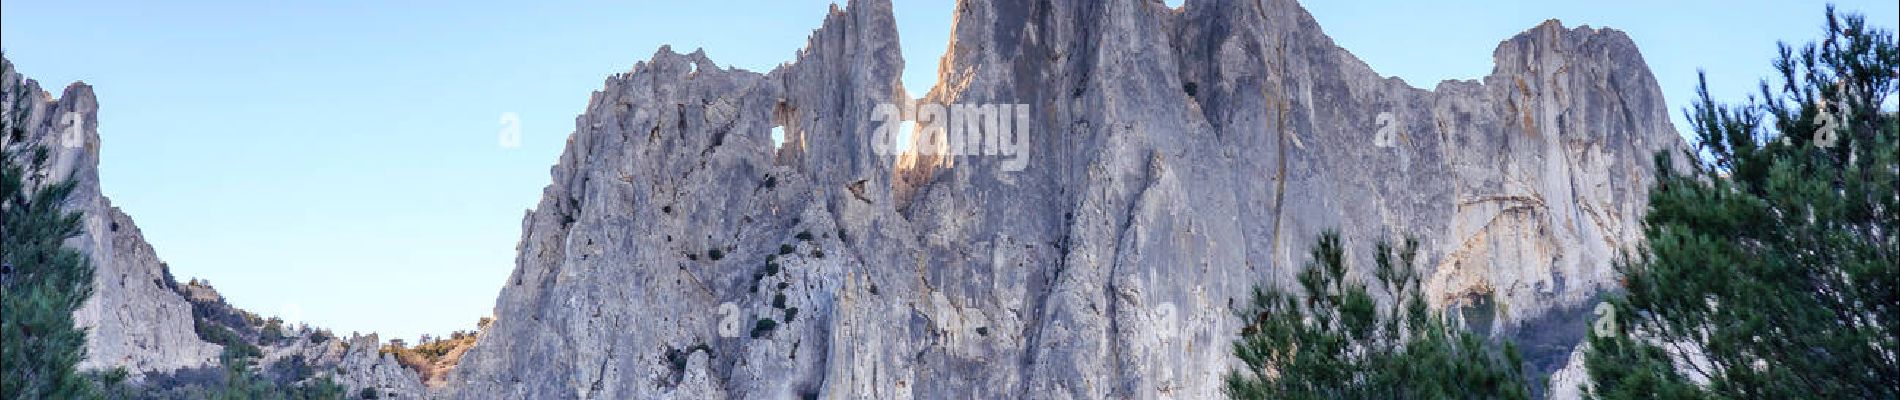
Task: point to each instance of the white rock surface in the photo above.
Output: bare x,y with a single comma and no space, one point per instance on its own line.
1176,158
1107,268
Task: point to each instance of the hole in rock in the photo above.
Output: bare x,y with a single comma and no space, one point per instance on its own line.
778,138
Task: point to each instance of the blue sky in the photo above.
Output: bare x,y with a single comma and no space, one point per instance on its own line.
338,162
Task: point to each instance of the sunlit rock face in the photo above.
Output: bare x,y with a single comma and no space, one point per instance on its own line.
1174,158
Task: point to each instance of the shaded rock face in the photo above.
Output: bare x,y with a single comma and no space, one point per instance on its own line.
1176,158
140,317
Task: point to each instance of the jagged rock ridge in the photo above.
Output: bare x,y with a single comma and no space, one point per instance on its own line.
1176,157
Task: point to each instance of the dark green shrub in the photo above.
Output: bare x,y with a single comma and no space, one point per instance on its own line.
764,327
320,336
677,359
272,332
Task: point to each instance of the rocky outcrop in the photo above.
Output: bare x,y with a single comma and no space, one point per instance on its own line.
1174,159
1569,382
134,318
360,365
140,317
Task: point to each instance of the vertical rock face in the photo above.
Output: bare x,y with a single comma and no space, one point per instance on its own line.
134,318
140,317
1175,158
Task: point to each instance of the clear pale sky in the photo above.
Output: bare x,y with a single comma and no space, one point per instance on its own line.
338,162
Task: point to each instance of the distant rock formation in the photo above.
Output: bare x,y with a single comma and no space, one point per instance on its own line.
1175,158
140,317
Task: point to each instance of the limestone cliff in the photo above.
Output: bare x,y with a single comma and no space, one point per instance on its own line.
140,317
1174,159
1170,160
135,318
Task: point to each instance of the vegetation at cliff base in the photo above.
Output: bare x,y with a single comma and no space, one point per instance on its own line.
1334,340
1772,262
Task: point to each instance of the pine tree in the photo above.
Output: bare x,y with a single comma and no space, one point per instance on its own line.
1333,340
1770,265
41,281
